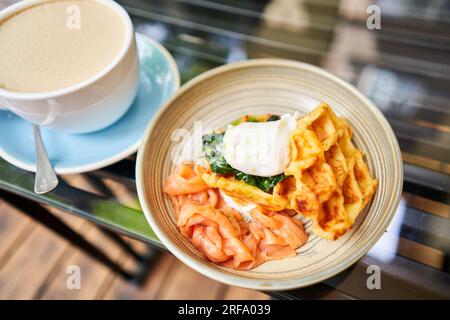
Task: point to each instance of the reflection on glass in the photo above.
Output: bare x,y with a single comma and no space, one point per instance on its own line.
385,249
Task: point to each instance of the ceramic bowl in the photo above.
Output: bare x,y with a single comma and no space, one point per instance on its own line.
224,94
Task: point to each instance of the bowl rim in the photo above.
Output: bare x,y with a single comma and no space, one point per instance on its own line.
268,284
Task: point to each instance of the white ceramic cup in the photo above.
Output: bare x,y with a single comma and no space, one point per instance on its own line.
90,105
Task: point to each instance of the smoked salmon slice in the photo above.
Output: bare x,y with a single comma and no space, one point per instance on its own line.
220,233
185,180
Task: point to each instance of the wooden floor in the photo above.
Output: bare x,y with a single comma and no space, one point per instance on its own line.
34,263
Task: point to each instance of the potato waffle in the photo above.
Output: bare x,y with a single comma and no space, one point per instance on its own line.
245,192
328,181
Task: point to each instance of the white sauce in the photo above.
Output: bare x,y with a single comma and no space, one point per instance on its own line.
244,210
260,148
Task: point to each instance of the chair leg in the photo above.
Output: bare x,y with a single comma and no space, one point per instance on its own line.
122,243
43,216
145,260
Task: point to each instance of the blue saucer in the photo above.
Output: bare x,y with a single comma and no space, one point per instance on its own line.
75,153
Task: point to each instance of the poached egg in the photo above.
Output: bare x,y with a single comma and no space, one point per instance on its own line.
260,148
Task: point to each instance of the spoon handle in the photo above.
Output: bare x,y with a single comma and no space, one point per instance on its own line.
45,179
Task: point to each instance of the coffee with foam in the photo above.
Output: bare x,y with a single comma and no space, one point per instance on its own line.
57,44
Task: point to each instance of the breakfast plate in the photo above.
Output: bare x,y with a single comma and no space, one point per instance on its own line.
75,153
182,206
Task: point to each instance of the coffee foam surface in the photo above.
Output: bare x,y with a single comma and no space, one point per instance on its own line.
42,48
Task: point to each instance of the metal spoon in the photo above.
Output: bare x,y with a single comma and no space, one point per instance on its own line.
45,179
